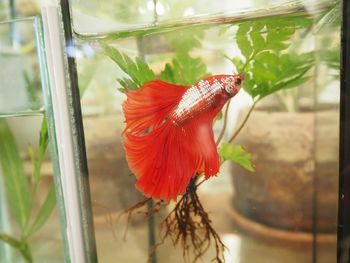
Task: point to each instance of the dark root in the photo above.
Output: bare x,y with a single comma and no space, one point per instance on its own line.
139,208
189,224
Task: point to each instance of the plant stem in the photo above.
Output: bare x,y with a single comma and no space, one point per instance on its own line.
26,253
243,123
226,111
249,60
246,63
20,245
221,135
151,232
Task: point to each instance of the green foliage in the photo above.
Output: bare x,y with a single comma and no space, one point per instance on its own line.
236,154
331,18
138,70
271,73
332,59
43,143
329,51
15,180
10,240
44,213
31,84
18,191
184,70
268,69
21,247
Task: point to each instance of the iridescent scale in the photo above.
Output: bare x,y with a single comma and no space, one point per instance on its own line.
196,100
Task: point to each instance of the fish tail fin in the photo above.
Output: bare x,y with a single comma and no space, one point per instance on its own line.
145,111
155,160
165,159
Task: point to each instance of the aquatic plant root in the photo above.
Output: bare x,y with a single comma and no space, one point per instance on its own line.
189,224
139,208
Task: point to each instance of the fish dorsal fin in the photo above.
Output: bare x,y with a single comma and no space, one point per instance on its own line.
147,107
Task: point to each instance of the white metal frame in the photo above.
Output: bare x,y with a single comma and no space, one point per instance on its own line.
58,85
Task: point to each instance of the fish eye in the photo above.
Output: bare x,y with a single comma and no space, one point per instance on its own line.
238,81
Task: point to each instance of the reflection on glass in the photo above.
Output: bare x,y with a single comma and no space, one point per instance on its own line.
272,200
29,225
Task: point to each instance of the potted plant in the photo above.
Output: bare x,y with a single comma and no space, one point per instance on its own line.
292,139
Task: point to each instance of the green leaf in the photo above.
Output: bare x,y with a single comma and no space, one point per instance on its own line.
223,30
236,154
10,240
26,252
332,17
256,35
43,143
243,40
21,247
168,74
274,34
44,212
32,157
138,71
331,58
43,140
184,70
127,84
15,180
31,84
270,73
295,82
239,64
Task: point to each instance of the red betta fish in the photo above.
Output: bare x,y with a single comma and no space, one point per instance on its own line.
169,135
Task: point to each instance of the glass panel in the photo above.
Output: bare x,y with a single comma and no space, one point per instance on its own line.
280,212
20,94
96,17
29,224
327,76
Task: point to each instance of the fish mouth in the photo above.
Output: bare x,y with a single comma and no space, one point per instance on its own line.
238,83
233,84
241,78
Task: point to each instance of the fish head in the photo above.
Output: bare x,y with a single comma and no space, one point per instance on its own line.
232,83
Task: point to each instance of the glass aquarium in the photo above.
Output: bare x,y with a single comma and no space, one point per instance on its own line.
275,196
29,223
210,131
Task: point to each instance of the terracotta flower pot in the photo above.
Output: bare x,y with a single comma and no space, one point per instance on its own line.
296,179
